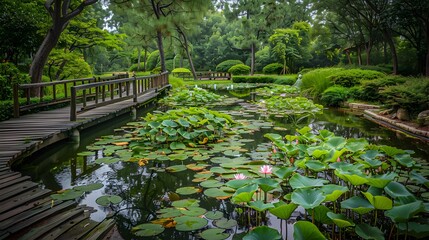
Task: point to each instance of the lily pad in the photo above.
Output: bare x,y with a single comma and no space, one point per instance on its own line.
214,215
403,213
89,187
303,230
283,210
187,190
357,204
108,199
307,198
188,223
225,223
216,193
69,194
211,184
214,234
107,160
169,213
260,205
193,211
263,233
176,168
186,203
148,230
297,181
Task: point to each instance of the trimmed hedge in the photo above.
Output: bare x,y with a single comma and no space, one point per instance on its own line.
334,96
226,65
370,89
253,79
239,69
273,68
352,77
285,80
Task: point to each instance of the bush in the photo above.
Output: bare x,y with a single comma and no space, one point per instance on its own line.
226,65
370,89
352,77
6,110
316,81
253,79
239,69
285,80
411,95
334,96
153,60
10,75
134,67
182,72
273,68
176,82
156,70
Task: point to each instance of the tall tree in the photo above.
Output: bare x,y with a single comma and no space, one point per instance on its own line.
61,12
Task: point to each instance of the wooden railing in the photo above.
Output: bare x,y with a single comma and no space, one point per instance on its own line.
47,92
213,75
112,91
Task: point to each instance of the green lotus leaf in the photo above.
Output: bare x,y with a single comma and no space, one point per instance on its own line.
187,190
221,170
184,203
216,193
69,194
214,215
88,187
366,231
201,158
225,223
148,230
203,175
340,220
370,155
379,202
357,204
381,181
193,211
263,233
178,156
244,194
169,213
317,152
395,189
238,183
415,229
214,234
307,198
355,179
297,181
85,154
320,214
108,199
176,168
220,159
391,151
267,184
154,124
189,223
107,160
356,145
403,213
405,160
177,145
231,153
211,184
303,230
333,192
315,165
169,123
336,142
94,148
260,205
183,122
418,178
285,172
273,136
283,211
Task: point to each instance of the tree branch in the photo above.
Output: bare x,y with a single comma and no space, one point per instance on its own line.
79,9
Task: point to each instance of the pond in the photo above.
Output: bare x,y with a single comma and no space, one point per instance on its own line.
148,191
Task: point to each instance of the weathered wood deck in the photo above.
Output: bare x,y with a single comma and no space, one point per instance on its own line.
26,210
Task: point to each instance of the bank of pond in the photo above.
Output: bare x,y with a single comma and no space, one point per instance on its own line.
219,165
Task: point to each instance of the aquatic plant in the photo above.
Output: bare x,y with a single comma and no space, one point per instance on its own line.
190,97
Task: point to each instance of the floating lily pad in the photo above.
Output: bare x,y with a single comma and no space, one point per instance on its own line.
216,193
238,183
196,167
214,234
214,215
176,168
188,223
89,187
193,211
186,203
68,194
211,184
187,190
108,199
263,233
225,223
148,229
107,160
169,213
85,154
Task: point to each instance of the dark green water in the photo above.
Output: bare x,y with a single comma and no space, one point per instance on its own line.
144,190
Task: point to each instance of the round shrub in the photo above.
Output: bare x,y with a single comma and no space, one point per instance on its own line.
10,75
371,88
226,65
181,72
153,60
135,68
156,70
334,96
239,69
352,77
273,68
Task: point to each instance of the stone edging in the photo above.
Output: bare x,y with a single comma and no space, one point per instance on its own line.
372,115
362,106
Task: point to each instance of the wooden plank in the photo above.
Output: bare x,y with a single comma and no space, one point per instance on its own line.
14,190
14,181
101,230
9,178
9,174
56,233
23,199
30,221
25,211
51,223
79,230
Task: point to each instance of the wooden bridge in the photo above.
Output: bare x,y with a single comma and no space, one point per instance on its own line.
26,209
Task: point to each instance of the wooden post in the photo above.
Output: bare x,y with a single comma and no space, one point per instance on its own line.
134,89
73,104
16,100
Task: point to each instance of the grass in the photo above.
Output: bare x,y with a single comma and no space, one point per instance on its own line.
316,81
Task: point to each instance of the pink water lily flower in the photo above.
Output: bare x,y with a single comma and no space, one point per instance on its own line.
239,176
338,159
266,169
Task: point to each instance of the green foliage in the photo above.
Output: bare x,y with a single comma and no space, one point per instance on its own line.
156,70
175,81
153,60
182,72
75,66
316,81
226,65
273,68
10,75
6,110
253,79
190,97
276,90
411,95
286,106
135,67
334,96
370,90
285,80
239,69
352,77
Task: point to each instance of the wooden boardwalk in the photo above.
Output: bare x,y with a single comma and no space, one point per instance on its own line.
26,210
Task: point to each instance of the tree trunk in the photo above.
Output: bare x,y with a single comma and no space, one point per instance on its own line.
60,69
359,55
161,50
188,54
389,39
252,59
139,55
145,59
348,57
368,49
